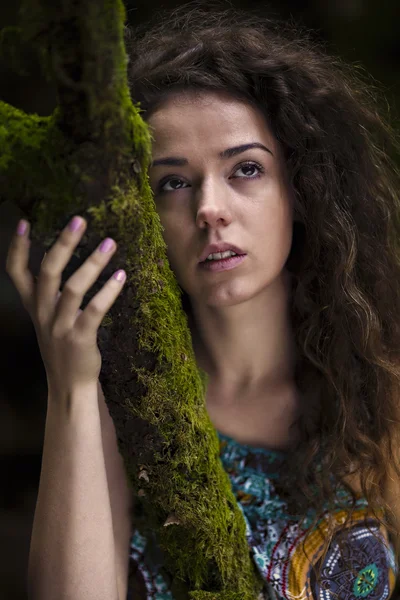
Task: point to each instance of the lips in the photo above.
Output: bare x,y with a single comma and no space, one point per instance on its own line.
220,247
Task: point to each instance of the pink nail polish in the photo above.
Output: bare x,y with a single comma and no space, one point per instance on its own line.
106,245
22,227
75,224
119,275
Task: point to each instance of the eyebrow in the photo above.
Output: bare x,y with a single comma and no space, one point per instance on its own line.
175,161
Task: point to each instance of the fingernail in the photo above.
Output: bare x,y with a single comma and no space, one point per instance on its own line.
106,245
119,275
22,227
75,224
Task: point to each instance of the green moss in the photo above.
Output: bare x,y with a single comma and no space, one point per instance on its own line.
21,136
32,157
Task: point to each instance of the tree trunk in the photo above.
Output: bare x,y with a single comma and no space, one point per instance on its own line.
90,157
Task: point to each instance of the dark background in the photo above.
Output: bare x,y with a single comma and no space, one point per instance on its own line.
362,32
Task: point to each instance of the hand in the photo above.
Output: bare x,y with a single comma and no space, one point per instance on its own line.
67,336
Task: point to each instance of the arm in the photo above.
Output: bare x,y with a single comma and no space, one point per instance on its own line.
72,552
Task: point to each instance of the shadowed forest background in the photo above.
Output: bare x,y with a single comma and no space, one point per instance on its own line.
363,32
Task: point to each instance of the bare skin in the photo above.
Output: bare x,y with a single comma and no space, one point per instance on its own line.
239,413
241,330
263,420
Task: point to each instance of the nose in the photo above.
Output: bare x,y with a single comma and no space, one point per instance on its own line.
212,206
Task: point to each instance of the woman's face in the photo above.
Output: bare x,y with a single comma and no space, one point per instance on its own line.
242,199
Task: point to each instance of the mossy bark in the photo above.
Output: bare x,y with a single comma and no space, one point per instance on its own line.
90,157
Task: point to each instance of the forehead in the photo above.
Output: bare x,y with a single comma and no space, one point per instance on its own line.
188,118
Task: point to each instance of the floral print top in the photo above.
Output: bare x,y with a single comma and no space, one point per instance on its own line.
276,540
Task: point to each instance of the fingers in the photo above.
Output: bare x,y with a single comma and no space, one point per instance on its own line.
79,283
63,308
90,319
53,265
17,263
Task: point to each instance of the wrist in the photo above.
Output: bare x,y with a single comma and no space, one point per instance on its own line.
67,395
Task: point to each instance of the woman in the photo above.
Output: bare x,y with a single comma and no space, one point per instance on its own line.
258,137
264,145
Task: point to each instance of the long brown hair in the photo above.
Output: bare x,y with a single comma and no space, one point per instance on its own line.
345,257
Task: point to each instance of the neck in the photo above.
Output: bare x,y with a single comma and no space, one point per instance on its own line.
248,346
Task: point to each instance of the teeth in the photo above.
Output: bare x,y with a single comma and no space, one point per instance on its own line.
219,255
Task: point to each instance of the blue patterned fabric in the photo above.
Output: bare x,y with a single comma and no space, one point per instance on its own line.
277,539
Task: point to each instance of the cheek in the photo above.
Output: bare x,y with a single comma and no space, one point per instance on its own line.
273,228
174,228
276,210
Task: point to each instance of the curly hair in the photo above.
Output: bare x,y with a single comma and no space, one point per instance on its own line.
340,153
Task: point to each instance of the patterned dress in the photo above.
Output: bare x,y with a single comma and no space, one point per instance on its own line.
276,541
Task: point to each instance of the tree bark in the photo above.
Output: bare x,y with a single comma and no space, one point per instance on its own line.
90,157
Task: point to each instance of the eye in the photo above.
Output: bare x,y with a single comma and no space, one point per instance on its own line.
251,165
163,183
246,165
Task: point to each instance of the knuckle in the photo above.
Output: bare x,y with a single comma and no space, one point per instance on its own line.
94,309
41,317
77,338
65,239
71,289
47,271
98,259
10,269
57,331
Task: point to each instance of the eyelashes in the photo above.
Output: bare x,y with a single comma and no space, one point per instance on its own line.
163,182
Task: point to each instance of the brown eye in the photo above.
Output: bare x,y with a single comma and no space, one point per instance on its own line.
162,190
250,165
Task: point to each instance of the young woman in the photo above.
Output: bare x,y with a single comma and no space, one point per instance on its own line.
266,148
